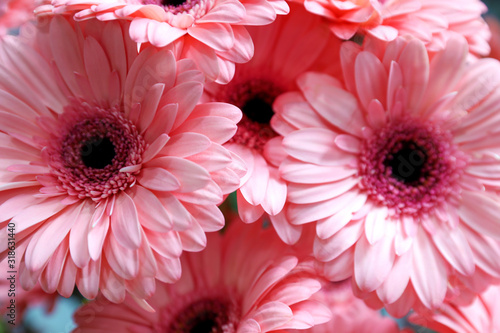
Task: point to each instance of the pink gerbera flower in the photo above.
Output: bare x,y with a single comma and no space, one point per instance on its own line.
282,53
211,32
109,168
431,21
481,315
244,281
399,169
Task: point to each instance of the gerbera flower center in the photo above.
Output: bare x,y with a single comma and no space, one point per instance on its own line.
173,3
97,153
255,99
407,162
206,315
91,148
410,167
197,8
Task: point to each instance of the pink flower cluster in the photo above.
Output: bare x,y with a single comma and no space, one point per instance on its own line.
238,166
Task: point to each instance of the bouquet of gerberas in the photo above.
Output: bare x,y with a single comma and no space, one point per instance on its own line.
357,143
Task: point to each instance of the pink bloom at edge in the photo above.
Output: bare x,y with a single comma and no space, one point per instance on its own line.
349,314
431,21
246,280
110,168
398,169
480,316
210,32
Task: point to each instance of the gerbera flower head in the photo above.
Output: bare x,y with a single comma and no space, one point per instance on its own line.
283,52
399,170
110,168
246,280
433,22
480,315
211,32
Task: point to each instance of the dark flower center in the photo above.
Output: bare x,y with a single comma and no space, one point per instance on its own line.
97,153
258,109
255,98
204,316
407,162
94,145
410,167
173,3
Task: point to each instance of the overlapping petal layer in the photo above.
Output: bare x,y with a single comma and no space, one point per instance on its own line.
246,280
210,32
110,168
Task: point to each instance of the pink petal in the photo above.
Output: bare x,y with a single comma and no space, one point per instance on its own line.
258,12
330,248
414,63
304,213
151,213
226,11
190,175
373,262
375,224
218,129
158,179
193,239
160,33
218,36
47,239
186,144
299,144
304,173
484,220
371,79
96,237
276,193
397,280
123,260
339,107
248,213
428,274
167,245
78,245
125,223
254,190
454,247
289,233
305,193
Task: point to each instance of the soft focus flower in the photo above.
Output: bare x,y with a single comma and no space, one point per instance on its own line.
246,280
350,314
432,21
211,32
283,51
10,289
13,13
109,168
494,26
399,169
482,315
